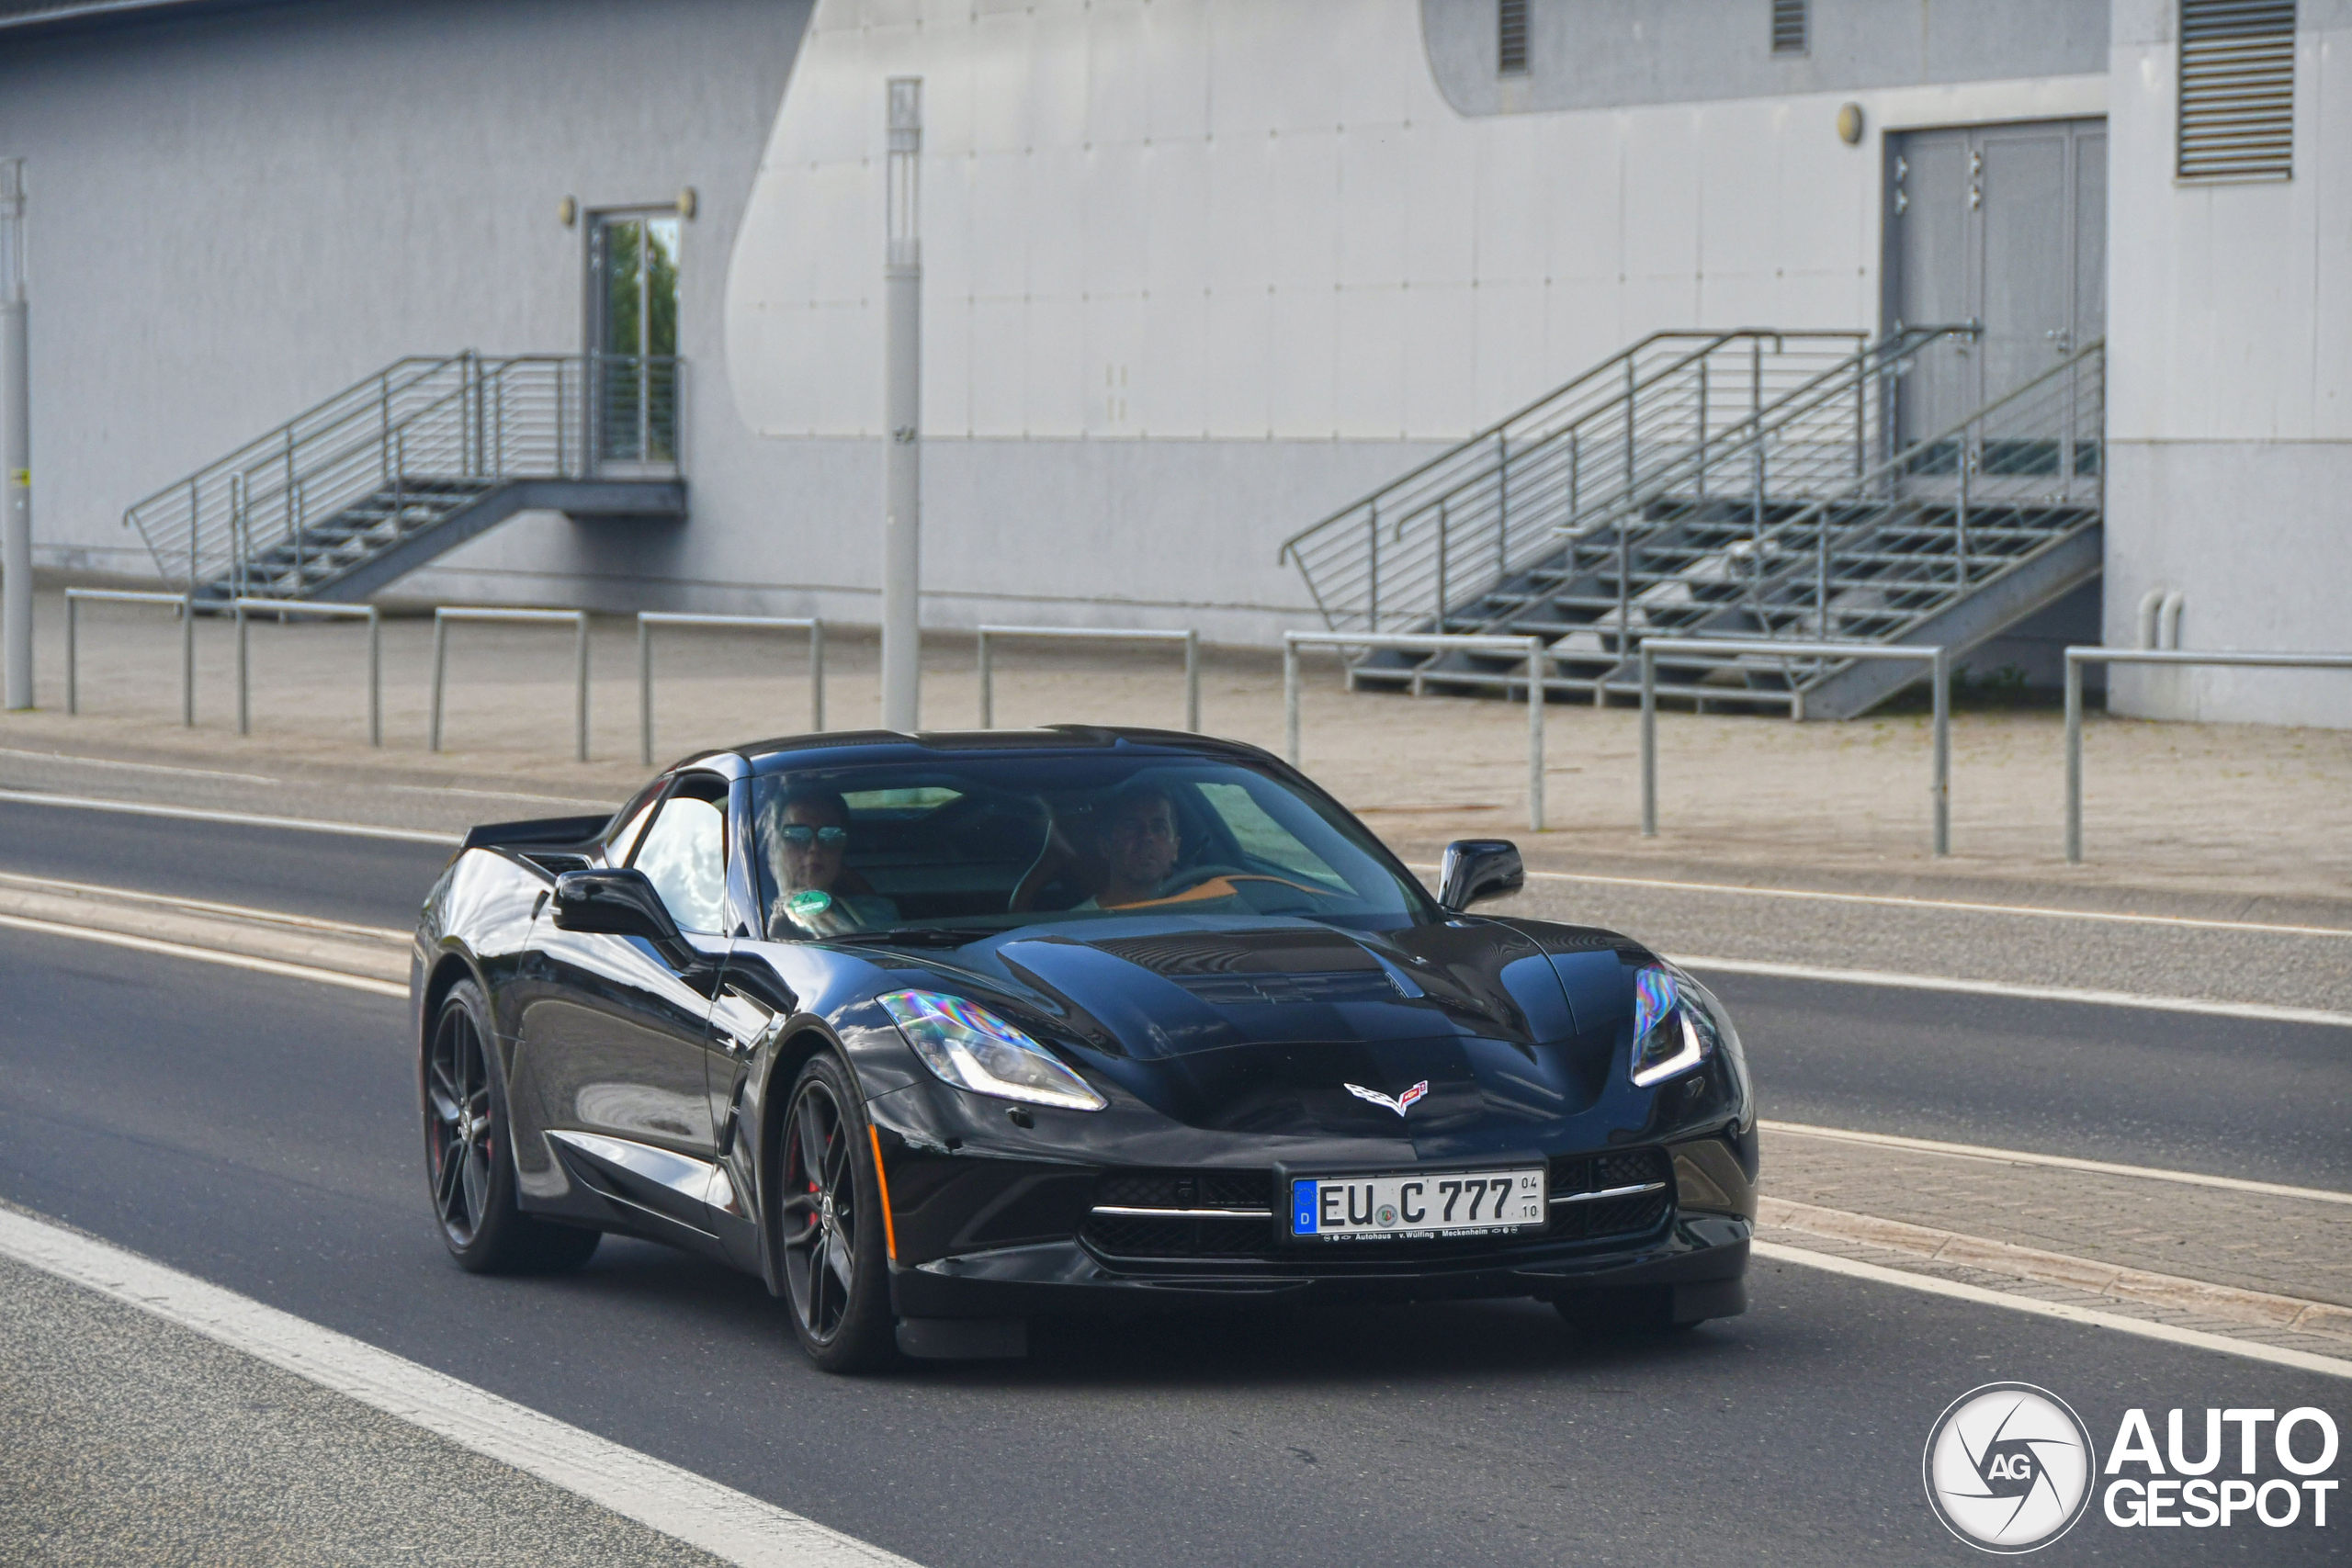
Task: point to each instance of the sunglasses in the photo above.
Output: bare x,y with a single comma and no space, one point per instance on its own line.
800,835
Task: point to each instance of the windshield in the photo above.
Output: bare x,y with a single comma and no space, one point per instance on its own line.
989,844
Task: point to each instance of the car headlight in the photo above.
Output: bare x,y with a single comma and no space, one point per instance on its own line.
972,1048
1673,1028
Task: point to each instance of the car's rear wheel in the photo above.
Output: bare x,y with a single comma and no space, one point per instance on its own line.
467,1161
829,1225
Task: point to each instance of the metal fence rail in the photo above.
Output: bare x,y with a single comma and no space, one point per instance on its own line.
282,608
1656,648
576,619
76,597
1191,640
1528,648
647,619
2078,657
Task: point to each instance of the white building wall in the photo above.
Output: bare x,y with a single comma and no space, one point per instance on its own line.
2230,384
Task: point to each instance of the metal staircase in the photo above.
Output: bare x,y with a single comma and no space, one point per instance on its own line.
1806,510
411,462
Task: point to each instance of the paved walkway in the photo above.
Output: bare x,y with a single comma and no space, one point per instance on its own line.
2241,818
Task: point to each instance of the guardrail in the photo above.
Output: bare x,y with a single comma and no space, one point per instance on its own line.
1531,648
1940,790
647,619
2078,657
76,597
284,607
1191,640
577,619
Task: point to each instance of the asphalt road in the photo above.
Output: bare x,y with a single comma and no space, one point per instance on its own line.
261,1133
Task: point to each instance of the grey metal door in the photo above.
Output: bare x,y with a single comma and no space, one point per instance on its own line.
2005,226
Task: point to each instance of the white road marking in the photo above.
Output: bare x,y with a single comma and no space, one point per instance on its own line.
603,805
239,818
2058,1162
1934,1285
209,955
1898,901
206,906
2262,1011
135,767
726,1523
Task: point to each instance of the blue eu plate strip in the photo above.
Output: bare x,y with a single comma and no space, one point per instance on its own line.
1302,1208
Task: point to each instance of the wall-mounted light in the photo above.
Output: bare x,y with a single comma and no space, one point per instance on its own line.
686,202
567,213
1849,124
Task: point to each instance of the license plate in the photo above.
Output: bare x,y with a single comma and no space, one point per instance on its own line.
1415,1204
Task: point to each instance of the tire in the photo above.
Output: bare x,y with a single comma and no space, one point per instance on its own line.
1624,1313
468,1168
830,1231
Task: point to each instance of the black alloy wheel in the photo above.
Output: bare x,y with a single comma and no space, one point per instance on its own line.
829,1225
466,1159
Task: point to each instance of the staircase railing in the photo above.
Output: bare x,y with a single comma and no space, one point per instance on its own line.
1499,501
419,424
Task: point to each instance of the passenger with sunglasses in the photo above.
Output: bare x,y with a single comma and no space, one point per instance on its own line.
806,834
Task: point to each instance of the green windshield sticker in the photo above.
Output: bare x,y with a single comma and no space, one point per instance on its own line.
810,901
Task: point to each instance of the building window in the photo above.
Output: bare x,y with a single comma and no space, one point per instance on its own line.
2238,89
1789,20
1510,37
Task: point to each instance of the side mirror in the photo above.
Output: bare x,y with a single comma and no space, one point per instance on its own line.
612,903
1475,870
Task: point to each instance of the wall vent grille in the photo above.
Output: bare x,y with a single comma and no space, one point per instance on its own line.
1790,22
2238,89
1510,37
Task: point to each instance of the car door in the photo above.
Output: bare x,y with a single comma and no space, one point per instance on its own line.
612,1041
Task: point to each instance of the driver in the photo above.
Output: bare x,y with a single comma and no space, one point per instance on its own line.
805,833
1135,847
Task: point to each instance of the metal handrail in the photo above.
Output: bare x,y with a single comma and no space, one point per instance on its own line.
76,597
281,608
1189,637
647,619
576,619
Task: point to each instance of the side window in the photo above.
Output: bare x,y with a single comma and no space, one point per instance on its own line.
683,855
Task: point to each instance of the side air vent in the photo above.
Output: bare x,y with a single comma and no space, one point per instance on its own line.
2238,89
1620,1193
1790,20
1510,37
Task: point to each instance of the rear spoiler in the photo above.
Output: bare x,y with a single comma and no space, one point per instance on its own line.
539,831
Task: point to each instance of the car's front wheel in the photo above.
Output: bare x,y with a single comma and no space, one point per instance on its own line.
465,1157
829,1225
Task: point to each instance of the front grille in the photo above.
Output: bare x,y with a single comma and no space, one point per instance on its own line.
1186,1189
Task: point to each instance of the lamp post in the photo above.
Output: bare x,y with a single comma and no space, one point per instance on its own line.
902,416
16,445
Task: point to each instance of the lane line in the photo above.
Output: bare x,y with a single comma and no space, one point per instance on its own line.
135,767
603,805
2055,1162
2250,1349
206,906
2262,1011
1891,900
663,1497
237,818
209,955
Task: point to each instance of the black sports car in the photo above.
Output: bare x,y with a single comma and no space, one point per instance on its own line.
938,1033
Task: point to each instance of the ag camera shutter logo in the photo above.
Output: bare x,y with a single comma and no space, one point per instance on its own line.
2008,1468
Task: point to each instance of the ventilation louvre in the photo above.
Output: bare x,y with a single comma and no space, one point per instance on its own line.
1790,20
1510,37
2238,89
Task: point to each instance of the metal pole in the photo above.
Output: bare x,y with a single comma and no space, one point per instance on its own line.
1372,569
987,687
16,442
1703,431
374,676
1290,699
581,749
1959,518
244,704
2074,758
1193,679
1940,790
187,662
644,692
1444,524
1502,504
440,665
902,415
1649,741
1535,734
817,675
72,672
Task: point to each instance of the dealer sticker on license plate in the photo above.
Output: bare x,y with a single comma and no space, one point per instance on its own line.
1415,1204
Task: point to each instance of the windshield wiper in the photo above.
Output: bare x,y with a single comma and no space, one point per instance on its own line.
909,936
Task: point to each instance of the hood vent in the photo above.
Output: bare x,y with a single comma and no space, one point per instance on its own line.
1235,968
